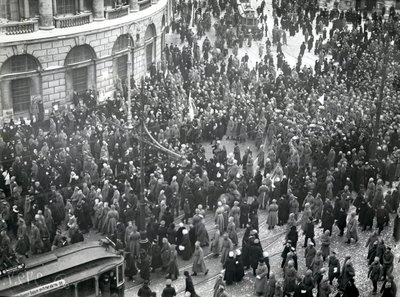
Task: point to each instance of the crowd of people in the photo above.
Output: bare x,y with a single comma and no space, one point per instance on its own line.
318,155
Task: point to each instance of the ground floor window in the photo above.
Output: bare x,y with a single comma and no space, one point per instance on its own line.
149,54
80,79
21,95
122,67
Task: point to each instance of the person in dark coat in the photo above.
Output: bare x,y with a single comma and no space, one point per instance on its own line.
179,234
375,273
244,214
396,226
239,270
144,266
171,234
285,252
255,254
168,291
156,261
328,218
333,267
293,236
192,236
162,232
266,261
372,252
283,210
130,267
189,286
367,214
185,249
389,288
382,216
350,289
341,221
145,291
229,276
309,232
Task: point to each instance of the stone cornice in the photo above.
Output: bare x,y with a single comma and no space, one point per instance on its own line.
132,21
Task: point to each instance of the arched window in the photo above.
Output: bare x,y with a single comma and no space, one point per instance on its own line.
120,53
20,81
80,72
150,43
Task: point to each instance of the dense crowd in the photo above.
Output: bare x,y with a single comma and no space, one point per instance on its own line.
315,155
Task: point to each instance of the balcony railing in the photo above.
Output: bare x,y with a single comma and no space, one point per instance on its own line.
73,20
14,28
144,4
117,12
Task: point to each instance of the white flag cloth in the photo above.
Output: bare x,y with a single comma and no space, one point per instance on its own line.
321,99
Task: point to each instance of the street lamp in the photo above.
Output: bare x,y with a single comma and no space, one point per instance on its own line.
128,85
142,165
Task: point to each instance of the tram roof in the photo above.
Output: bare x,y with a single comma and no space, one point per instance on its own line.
60,260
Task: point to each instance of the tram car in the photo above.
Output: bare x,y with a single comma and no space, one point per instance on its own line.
80,270
248,18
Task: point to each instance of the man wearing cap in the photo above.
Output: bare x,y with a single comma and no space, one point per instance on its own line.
168,291
145,290
388,259
255,254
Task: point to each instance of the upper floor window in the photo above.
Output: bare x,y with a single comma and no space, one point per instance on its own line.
14,10
4,9
65,7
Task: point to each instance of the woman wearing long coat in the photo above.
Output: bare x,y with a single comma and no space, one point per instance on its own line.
272,219
250,166
352,229
290,279
173,270
396,226
270,286
219,219
239,270
306,215
229,274
325,244
215,247
111,221
185,247
310,253
156,260
198,260
235,213
231,230
202,234
226,247
261,278
133,243
165,253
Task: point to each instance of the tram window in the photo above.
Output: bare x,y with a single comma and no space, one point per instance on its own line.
64,292
87,287
120,278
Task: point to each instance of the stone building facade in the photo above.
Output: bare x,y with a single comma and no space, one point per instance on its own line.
45,63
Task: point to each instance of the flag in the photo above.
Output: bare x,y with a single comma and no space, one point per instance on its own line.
321,99
191,107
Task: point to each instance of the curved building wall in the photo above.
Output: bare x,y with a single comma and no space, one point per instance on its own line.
49,65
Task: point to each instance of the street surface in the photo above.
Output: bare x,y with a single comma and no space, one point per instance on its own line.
272,240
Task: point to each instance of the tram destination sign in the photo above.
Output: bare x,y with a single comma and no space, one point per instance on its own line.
42,289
